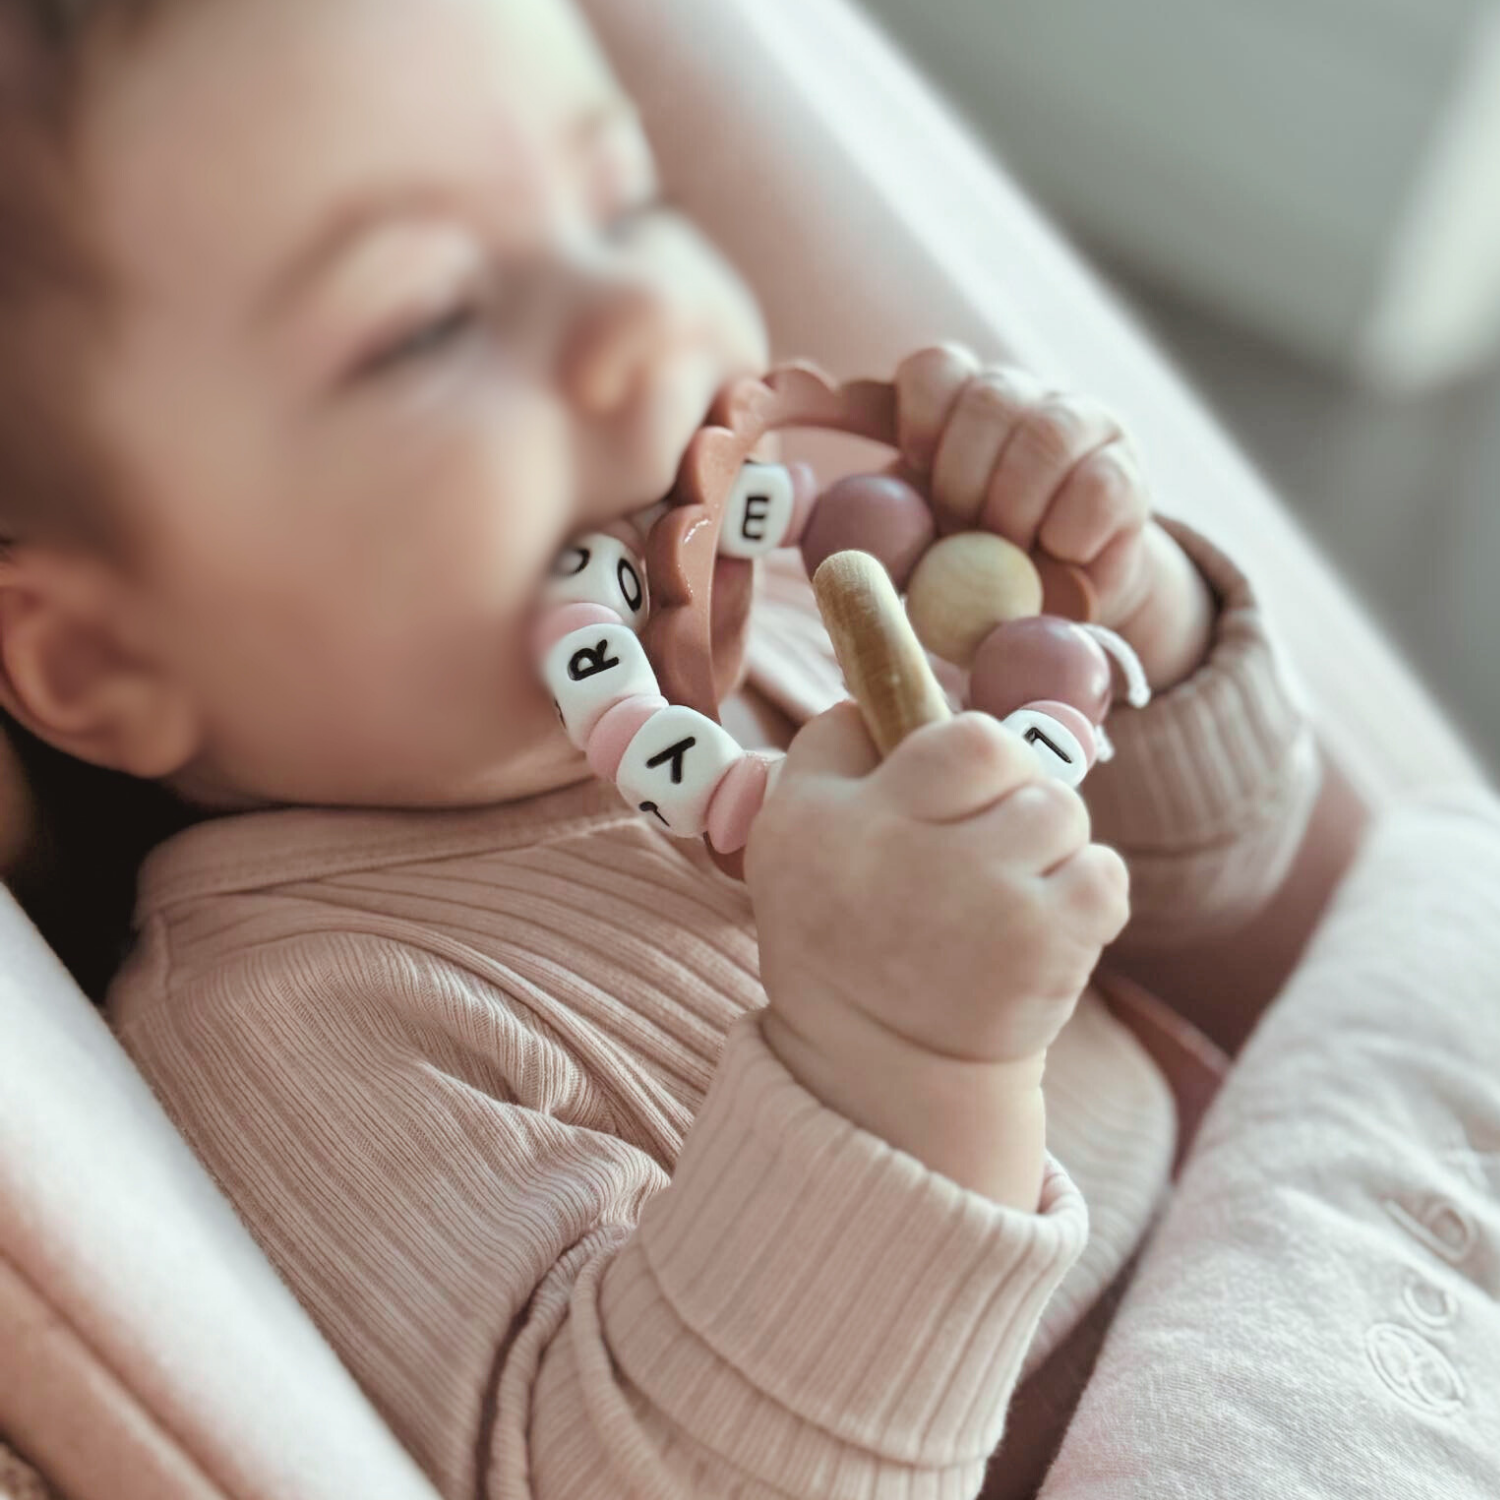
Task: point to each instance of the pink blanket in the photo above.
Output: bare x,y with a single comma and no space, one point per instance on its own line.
1319,1313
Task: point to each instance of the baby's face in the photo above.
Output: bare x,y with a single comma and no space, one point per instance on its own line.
399,313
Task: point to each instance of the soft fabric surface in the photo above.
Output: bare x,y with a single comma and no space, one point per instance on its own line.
146,1348
1318,1316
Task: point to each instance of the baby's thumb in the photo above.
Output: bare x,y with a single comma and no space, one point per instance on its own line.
836,743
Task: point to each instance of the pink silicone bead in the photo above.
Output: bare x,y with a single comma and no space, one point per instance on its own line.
613,733
736,802
1070,718
804,500
871,513
556,623
1045,657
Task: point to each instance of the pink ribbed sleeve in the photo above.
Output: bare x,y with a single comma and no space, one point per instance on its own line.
803,1312
537,1307
1213,783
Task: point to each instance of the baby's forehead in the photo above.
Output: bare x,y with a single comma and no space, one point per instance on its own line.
246,112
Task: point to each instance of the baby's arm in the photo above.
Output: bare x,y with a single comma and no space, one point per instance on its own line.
1213,784
532,1303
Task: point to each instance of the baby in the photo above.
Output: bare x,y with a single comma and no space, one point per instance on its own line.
340,317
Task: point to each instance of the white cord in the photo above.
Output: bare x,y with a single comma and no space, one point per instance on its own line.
1138,689
1106,745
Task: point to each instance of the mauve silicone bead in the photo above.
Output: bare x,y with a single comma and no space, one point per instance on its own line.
805,500
564,619
871,513
1043,658
737,800
613,733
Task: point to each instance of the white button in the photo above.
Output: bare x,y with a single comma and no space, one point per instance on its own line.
673,767
601,569
590,670
759,511
1056,745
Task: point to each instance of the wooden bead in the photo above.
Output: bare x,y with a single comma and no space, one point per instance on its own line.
964,587
673,767
1067,589
1024,660
759,513
601,569
1061,737
590,670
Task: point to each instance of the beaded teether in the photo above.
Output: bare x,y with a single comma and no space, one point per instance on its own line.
639,641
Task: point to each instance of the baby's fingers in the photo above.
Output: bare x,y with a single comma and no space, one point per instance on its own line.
1102,498
988,412
943,773
1050,441
835,743
1093,888
1037,828
928,384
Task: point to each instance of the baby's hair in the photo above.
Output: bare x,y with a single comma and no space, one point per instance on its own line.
95,825
47,286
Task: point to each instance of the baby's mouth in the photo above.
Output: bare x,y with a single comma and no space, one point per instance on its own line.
672,570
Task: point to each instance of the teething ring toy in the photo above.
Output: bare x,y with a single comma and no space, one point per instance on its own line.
640,640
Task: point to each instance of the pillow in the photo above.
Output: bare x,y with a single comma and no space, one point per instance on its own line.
1319,1313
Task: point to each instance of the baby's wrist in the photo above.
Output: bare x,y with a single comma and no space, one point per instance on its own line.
980,1124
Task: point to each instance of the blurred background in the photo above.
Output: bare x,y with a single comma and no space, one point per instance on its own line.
1301,199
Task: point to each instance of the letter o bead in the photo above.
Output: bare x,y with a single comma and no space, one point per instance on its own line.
601,569
590,670
672,768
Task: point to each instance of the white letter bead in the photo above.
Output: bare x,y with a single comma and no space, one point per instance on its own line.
601,569
590,670
1056,745
673,767
759,512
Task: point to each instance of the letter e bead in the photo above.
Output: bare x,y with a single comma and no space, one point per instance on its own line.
759,512
673,766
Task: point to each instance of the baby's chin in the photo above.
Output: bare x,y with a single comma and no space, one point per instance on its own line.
547,765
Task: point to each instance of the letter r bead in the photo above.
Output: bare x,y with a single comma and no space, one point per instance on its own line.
590,670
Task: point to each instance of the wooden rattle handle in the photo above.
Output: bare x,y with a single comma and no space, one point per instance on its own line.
883,662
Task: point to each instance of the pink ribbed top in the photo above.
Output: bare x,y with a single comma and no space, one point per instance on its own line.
490,1090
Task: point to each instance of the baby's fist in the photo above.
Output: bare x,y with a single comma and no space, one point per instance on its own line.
950,895
1001,452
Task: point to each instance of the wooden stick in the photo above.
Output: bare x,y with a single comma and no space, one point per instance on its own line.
884,664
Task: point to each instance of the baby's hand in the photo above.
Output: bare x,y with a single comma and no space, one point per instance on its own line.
926,927
1002,452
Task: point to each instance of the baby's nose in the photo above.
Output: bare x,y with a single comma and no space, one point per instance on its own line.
619,341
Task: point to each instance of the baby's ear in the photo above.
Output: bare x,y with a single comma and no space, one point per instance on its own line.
74,673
